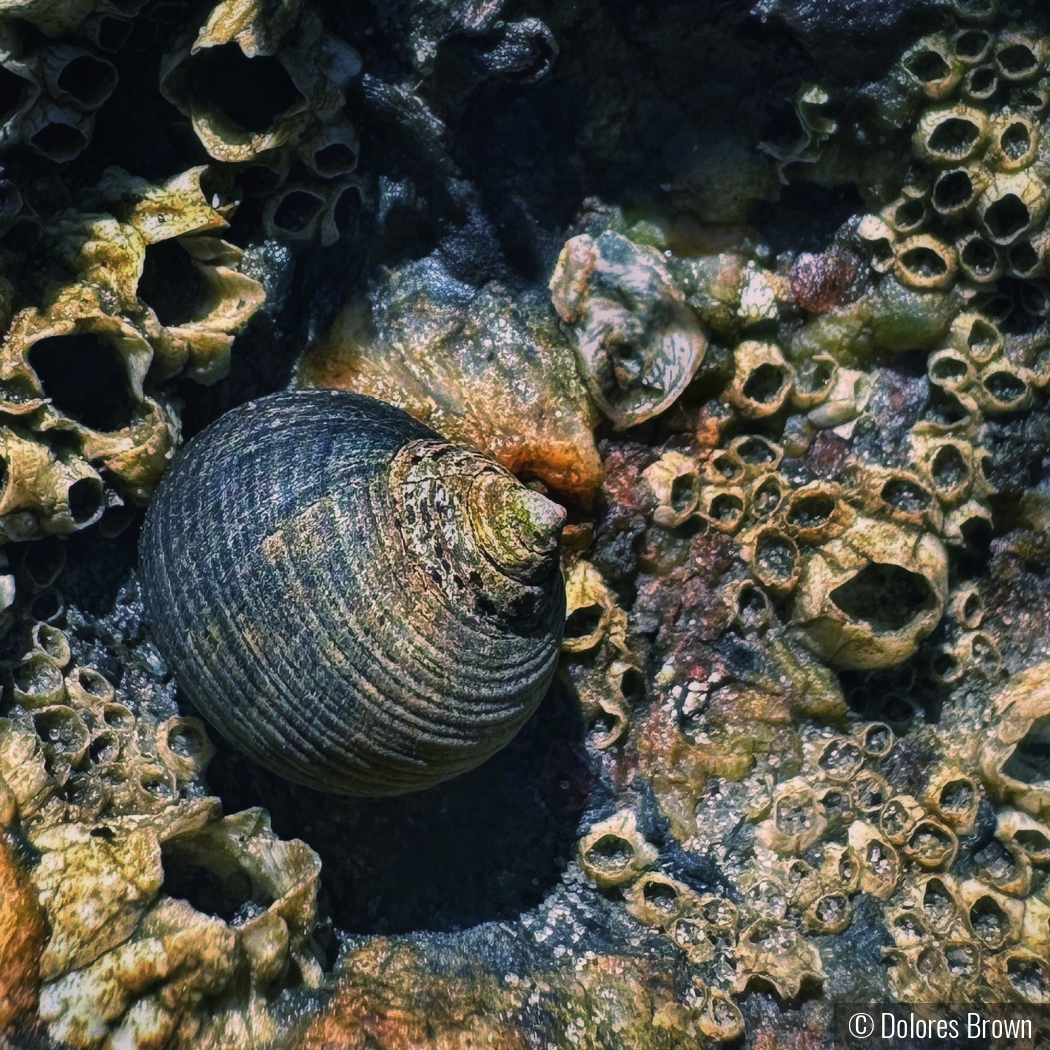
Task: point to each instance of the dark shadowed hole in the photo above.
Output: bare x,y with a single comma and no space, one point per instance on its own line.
1016,140
979,257
259,180
89,80
1005,387
810,511
764,383
887,597
347,211
113,32
583,621
1030,762
924,262
632,686
726,467
59,141
954,137
927,65
252,92
230,899
905,495
909,214
172,285
971,44
988,920
13,90
1031,840
755,452
85,379
947,370
1017,60
953,189
948,467
335,159
297,210
683,491
983,82
1024,259
1035,298
1007,217
85,499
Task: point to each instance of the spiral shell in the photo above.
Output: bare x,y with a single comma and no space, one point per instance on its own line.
353,602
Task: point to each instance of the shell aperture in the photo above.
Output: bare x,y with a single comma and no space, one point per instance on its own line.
353,602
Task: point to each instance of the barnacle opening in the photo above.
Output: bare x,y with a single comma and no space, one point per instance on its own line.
229,895
978,259
972,45
14,90
59,141
765,383
88,80
1007,217
85,379
171,285
1015,140
927,65
250,92
1024,259
1030,761
297,210
954,137
811,510
87,499
907,496
888,597
953,191
1017,61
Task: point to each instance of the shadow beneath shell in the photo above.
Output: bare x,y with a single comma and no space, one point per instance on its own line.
486,846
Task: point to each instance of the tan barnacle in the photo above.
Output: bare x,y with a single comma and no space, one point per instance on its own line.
751,609
936,898
980,83
1019,718
657,900
830,912
1026,833
773,557
295,71
909,212
879,238
757,455
64,739
876,740
87,687
673,479
183,746
796,822
724,506
972,46
946,466
775,954
1015,142
880,864
767,495
23,767
951,371
1019,55
866,598
51,642
897,494
947,136
933,63
840,759
995,919
955,190
817,512
898,816
637,342
979,261
1012,206
1020,975
614,852
762,379
976,337
919,972
590,608
815,379
720,1018
1003,387
931,845
847,398
954,796
36,682
925,262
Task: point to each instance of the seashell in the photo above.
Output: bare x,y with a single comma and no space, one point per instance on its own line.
637,341
373,610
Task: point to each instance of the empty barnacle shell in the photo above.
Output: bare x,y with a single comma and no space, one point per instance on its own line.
658,900
435,668
591,612
321,212
614,852
954,796
757,455
60,133
1020,975
723,506
250,84
815,379
908,213
976,337
956,190
1019,55
183,746
762,379
866,598
673,480
1003,387
1012,206
846,399
972,46
76,76
925,262
773,557
880,863
778,956
876,234
817,512
950,135
934,64
1014,142
329,149
996,920
797,820
1010,763
1026,833
637,342
979,261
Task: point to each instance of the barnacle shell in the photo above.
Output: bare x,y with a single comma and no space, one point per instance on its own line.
382,611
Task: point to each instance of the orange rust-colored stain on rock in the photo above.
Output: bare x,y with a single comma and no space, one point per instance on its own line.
23,932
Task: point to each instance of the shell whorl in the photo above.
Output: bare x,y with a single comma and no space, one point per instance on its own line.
353,602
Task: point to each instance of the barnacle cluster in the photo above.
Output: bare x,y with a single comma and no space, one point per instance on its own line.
168,922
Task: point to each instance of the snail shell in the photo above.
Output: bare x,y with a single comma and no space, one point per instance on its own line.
353,602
